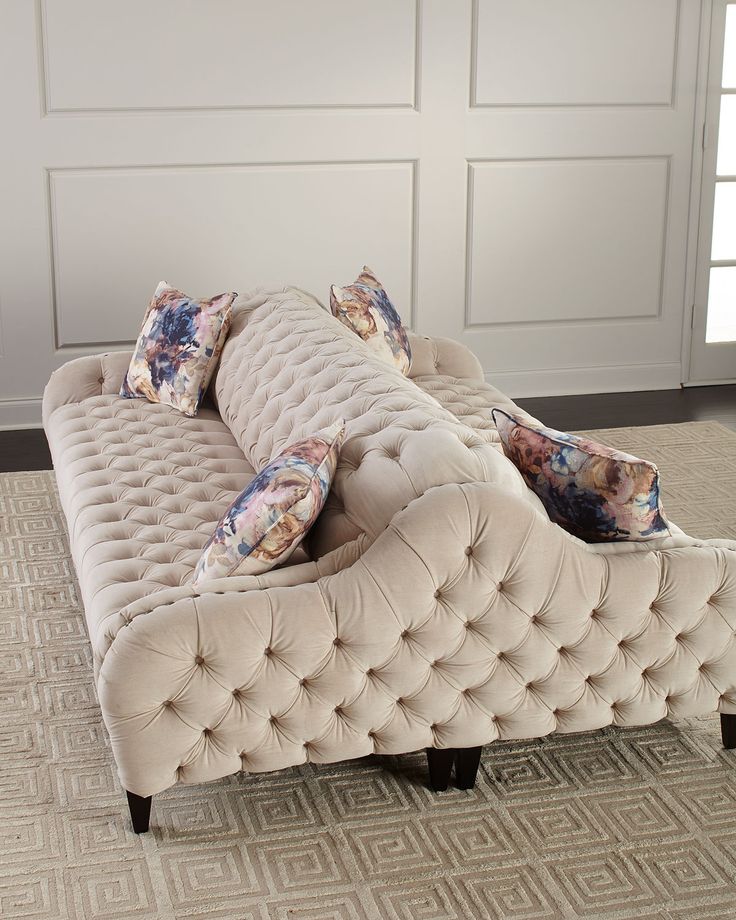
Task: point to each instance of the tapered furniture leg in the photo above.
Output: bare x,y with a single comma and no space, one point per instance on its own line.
728,730
440,766
140,811
466,766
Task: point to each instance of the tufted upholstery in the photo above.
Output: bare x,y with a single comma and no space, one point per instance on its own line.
442,606
305,371
494,627
142,487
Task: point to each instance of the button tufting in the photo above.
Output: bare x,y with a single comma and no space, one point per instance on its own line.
593,614
338,710
207,732
272,720
167,703
468,624
236,693
468,550
303,682
371,734
337,642
100,380
405,634
533,618
199,660
267,651
437,593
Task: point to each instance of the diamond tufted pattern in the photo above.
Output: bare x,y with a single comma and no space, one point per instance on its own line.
422,643
142,487
305,371
443,608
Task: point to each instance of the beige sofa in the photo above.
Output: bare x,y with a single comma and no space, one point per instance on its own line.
435,605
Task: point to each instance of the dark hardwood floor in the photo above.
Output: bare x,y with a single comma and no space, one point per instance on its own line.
653,407
27,449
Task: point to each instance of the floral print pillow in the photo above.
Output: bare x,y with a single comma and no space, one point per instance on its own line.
178,348
272,515
364,307
594,492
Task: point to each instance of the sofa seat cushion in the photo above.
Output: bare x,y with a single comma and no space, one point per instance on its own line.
142,487
471,401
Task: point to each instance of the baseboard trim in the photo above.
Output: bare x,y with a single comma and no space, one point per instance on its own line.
20,413
573,381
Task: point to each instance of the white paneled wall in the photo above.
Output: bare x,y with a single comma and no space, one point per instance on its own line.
517,173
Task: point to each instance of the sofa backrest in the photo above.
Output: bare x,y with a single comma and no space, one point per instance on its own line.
290,368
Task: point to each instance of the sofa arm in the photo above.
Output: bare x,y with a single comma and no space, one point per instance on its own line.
81,378
442,356
471,618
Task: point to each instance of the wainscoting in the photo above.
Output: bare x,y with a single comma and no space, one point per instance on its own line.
518,177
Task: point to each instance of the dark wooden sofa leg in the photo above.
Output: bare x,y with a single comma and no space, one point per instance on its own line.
140,811
440,763
728,730
466,766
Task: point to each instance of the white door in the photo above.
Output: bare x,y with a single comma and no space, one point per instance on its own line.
713,357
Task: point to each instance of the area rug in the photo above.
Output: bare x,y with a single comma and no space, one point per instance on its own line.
636,823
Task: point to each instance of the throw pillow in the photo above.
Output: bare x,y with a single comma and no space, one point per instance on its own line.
364,307
593,491
272,515
178,348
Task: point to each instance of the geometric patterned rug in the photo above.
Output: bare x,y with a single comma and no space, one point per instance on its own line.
609,825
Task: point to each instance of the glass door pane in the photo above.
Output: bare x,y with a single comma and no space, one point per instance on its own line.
727,136
724,223
721,325
729,50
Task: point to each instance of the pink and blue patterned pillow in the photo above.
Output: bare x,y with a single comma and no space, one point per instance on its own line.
178,348
594,492
364,307
272,515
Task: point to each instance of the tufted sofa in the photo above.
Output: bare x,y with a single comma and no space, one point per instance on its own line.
434,605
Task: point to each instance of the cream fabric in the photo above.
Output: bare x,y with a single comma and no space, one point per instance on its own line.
142,487
490,626
305,371
443,609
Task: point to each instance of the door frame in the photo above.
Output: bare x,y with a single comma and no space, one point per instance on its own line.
705,152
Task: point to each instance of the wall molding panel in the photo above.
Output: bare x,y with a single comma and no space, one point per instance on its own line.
223,209
628,212
517,173
259,50
605,41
